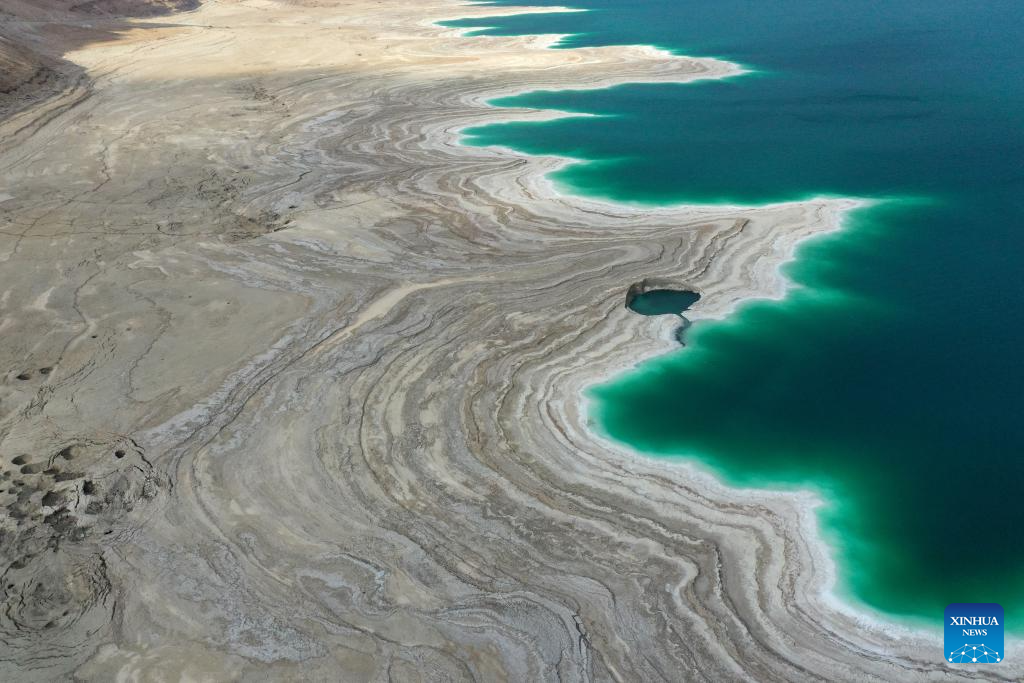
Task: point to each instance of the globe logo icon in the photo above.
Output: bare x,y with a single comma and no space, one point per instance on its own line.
974,653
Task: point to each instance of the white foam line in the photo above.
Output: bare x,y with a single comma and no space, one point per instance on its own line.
808,500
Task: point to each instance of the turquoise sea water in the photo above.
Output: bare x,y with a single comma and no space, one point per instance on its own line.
891,378
663,302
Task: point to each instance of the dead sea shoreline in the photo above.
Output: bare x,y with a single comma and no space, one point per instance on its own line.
318,331
810,500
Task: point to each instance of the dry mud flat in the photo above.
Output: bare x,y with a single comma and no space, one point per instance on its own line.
291,380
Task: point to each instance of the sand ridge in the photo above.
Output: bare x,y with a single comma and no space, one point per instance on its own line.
312,407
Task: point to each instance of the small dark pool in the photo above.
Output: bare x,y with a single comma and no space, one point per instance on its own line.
662,302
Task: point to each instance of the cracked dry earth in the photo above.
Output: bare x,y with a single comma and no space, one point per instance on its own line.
292,381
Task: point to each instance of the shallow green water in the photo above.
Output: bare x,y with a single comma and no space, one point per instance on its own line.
663,302
890,378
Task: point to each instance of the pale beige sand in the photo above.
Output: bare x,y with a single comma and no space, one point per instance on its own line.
341,358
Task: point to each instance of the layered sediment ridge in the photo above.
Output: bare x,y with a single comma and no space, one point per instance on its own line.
312,401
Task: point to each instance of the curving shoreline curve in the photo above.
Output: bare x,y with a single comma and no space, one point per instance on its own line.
377,463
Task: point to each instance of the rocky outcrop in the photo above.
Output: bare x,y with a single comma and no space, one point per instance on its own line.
26,76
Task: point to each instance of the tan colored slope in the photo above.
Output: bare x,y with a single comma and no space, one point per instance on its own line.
17,65
34,34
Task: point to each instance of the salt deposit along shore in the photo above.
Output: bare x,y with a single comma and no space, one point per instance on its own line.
292,380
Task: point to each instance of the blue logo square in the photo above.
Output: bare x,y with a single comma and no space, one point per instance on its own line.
974,633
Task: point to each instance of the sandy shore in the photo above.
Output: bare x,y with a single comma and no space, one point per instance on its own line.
292,379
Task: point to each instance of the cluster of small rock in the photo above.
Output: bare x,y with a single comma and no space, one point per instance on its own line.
56,510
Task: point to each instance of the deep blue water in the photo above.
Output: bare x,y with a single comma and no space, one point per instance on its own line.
891,378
